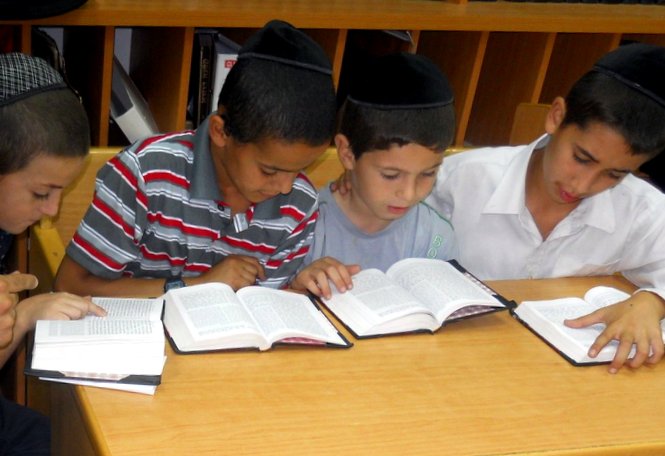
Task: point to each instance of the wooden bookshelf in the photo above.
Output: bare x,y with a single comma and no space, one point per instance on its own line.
497,54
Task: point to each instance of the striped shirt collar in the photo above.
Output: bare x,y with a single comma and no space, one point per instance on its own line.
205,185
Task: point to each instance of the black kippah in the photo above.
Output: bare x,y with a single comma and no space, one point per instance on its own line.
400,81
22,76
639,66
281,42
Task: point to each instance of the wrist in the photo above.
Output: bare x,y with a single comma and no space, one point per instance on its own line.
654,300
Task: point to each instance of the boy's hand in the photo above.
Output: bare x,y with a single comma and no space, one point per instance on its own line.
54,306
316,276
235,270
10,286
633,321
342,184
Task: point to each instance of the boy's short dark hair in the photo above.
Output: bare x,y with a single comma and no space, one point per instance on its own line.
615,93
369,128
39,114
280,88
398,99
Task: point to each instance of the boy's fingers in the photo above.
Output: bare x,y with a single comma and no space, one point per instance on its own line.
621,355
96,310
585,320
17,282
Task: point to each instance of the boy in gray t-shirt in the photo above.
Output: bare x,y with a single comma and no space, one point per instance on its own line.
395,124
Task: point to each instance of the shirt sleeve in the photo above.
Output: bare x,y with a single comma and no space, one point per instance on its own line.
107,238
644,258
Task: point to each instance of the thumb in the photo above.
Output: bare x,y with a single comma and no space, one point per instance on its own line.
17,282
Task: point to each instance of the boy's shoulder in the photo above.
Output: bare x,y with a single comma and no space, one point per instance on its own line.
637,191
481,160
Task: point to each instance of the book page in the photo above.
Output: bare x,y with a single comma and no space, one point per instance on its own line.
211,310
558,310
129,308
378,299
440,286
602,296
280,314
375,305
95,329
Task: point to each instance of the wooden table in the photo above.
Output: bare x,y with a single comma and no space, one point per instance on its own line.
485,386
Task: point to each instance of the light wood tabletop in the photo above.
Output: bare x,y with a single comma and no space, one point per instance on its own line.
484,386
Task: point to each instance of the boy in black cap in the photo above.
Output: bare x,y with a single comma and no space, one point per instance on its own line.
568,204
225,203
44,140
395,124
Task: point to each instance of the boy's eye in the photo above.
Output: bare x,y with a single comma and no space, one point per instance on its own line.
390,176
580,159
40,196
615,176
268,172
429,174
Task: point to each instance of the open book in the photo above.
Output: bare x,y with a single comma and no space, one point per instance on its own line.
125,347
545,318
415,294
212,317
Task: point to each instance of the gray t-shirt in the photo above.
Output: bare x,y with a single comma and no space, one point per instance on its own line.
421,233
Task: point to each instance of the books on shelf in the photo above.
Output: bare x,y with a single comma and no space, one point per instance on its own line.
212,317
123,350
128,107
416,294
213,57
545,318
200,89
226,55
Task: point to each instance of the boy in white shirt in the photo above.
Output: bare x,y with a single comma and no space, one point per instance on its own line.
568,204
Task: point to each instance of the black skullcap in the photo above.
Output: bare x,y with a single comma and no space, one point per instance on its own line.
22,76
29,9
281,42
400,81
639,66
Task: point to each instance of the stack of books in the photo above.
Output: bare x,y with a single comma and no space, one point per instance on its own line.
124,350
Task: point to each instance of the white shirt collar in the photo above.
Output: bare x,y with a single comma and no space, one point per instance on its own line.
509,196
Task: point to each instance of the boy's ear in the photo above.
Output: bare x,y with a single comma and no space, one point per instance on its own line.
344,152
555,115
216,130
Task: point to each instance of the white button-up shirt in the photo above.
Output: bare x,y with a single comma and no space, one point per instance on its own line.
621,229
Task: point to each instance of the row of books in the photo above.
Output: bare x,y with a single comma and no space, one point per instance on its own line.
125,350
213,57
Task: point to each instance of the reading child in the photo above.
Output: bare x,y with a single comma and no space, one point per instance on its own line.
225,203
395,124
568,204
44,139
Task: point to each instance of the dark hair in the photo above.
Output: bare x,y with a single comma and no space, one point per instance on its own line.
369,128
48,123
263,99
597,97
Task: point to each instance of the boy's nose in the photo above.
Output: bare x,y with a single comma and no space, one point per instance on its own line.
284,183
407,191
51,206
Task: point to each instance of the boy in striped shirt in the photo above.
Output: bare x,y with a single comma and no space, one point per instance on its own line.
227,202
